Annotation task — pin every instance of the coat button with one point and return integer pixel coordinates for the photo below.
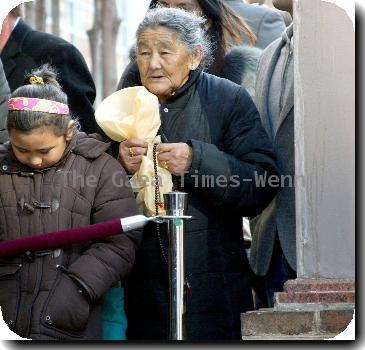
(48, 319)
(165, 110)
(5, 167)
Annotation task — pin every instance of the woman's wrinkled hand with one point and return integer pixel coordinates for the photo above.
(130, 154)
(176, 157)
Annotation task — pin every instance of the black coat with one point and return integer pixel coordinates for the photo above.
(216, 265)
(27, 49)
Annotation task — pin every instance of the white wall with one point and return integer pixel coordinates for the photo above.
(324, 41)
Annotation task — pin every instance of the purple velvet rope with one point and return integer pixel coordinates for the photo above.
(58, 239)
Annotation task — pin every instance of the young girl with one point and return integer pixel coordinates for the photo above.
(52, 178)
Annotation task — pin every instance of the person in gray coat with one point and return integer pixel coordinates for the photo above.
(286, 15)
(273, 248)
(4, 97)
(266, 23)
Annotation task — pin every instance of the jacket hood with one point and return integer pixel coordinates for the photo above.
(87, 146)
(240, 65)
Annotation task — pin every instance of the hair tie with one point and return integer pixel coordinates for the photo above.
(35, 79)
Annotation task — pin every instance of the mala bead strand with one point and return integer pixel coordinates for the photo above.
(158, 203)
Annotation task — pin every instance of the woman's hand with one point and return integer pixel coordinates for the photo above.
(176, 157)
(130, 154)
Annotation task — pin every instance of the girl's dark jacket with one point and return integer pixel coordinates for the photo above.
(231, 152)
(39, 292)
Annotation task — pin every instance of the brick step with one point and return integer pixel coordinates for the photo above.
(307, 285)
(282, 323)
(324, 297)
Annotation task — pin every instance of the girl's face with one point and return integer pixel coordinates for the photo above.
(41, 148)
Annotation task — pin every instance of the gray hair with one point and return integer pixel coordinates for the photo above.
(187, 25)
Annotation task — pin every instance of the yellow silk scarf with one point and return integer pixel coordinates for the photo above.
(134, 113)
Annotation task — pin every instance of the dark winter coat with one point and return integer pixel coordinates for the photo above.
(27, 49)
(228, 144)
(38, 298)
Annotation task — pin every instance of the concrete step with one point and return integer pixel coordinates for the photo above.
(308, 336)
(282, 323)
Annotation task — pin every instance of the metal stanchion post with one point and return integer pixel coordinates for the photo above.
(175, 204)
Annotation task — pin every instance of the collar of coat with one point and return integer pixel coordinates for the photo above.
(87, 146)
(193, 77)
(14, 45)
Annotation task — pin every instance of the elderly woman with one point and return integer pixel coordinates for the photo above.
(227, 30)
(216, 149)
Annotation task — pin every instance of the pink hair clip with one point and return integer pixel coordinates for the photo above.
(37, 105)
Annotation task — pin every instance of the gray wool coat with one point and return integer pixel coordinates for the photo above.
(4, 97)
(267, 24)
(280, 214)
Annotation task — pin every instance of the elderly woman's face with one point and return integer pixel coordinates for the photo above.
(163, 61)
(187, 5)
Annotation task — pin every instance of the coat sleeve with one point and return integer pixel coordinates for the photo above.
(239, 165)
(77, 83)
(111, 259)
(4, 97)
(270, 28)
